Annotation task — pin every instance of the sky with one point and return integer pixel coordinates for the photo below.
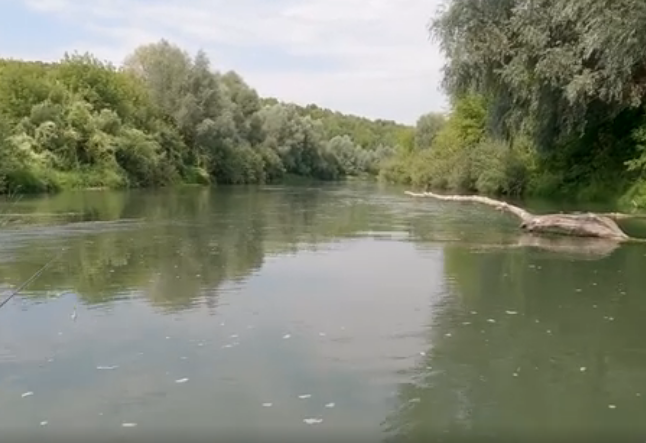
(366, 57)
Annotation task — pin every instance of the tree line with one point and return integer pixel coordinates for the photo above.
(166, 117)
(547, 99)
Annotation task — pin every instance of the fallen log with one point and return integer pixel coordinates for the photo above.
(580, 225)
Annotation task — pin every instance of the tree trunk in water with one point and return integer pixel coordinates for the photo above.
(579, 225)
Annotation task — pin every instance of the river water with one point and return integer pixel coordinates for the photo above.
(313, 312)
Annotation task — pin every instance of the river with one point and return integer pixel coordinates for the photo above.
(313, 312)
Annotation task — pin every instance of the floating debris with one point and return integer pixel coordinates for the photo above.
(321, 334)
(305, 396)
(267, 405)
(286, 336)
(107, 368)
(27, 394)
(44, 423)
(183, 358)
(312, 421)
(582, 368)
(415, 400)
(222, 324)
(422, 353)
(330, 405)
(167, 337)
(515, 374)
(200, 344)
(491, 320)
(50, 360)
(579, 290)
(227, 346)
(511, 312)
(466, 323)
(448, 334)
(612, 407)
(474, 312)
(181, 380)
(128, 425)
(233, 336)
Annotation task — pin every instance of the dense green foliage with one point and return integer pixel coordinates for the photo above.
(166, 117)
(548, 98)
(369, 134)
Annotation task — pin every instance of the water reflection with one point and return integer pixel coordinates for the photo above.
(264, 296)
(418, 321)
(172, 247)
(531, 345)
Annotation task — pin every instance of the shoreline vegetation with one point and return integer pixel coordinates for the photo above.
(547, 101)
(166, 118)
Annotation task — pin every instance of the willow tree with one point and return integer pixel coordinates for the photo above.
(427, 128)
(555, 68)
(570, 74)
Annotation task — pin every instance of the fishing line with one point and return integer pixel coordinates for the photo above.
(31, 279)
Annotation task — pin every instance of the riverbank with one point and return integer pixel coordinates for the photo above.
(465, 157)
(82, 123)
(55, 183)
(533, 113)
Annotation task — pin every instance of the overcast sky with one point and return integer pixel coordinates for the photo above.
(366, 57)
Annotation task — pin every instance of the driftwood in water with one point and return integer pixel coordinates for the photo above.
(580, 225)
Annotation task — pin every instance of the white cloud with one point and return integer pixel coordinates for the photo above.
(384, 64)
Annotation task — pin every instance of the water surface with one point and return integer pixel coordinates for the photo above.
(313, 312)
